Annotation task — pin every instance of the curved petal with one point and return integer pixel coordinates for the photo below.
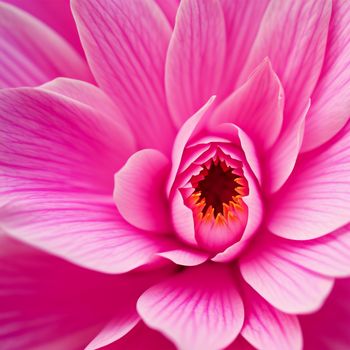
(56, 14)
(199, 308)
(139, 191)
(242, 19)
(32, 53)
(328, 329)
(126, 43)
(267, 328)
(58, 157)
(256, 107)
(330, 109)
(185, 256)
(293, 34)
(51, 141)
(141, 338)
(47, 303)
(195, 57)
(328, 255)
(285, 284)
(316, 199)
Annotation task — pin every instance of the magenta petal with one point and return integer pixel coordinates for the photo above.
(293, 34)
(139, 191)
(267, 328)
(199, 308)
(126, 44)
(184, 256)
(327, 255)
(256, 107)
(285, 284)
(32, 53)
(242, 19)
(56, 14)
(46, 303)
(330, 109)
(316, 199)
(195, 57)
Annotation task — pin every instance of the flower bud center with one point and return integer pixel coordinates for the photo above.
(218, 185)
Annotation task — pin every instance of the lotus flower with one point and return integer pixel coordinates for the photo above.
(187, 185)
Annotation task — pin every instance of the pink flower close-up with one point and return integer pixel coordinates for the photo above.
(175, 174)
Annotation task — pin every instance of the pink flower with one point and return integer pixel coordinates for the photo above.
(186, 186)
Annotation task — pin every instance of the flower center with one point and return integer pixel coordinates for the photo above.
(218, 187)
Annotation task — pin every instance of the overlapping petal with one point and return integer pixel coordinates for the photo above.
(267, 328)
(32, 53)
(284, 283)
(316, 199)
(195, 58)
(330, 109)
(126, 44)
(199, 308)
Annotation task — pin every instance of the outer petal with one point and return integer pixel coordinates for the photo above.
(56, 14)
(58, 157)
(328, 255)
(195, 57)
(199, 308)
(32, 53)
(328, 329)
(46, 303)
(126, 43)
(242, 19)
(316, 199)
(295, 41)
(267, 328)
(285, 284)
(139, 191)
(256, 107)
(330, 109)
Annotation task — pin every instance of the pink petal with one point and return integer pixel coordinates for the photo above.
(328, 329)
(58, 158)
(195, 57)
(267, 328)
(139, 191)
(89, 95)
(141, 338)
(285, 284)
(113, 331)
(293, 34)
(56, 14)
(242, 19)
(169, 8)
(316, 199)
(280, 160)
(55, 142)
(46, 303)
(199, 308)
(86, 230)
(256, 107)
(330, 109)
(126, 43)
(188, 130)
(32, 53)
(185, 256)
(327, 255)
